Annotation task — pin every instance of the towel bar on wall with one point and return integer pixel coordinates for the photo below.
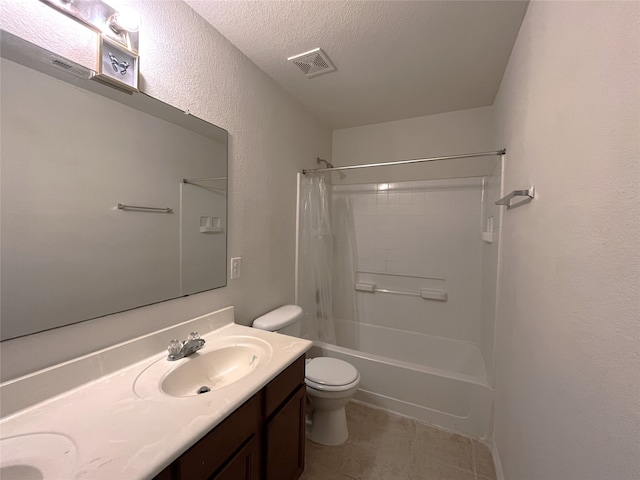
(530, 193)
(122, 206)
(426, 293)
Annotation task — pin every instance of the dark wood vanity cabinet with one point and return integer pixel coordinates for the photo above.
(284, 440)
(245, 465)
(263, 439)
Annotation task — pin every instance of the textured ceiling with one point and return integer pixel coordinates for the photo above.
(394, 59)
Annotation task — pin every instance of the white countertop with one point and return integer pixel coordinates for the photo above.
(103, 430)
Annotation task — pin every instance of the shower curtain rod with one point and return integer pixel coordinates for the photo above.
(403, 162)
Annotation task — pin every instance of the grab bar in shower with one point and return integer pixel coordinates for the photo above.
(426, 293)
(122, 206)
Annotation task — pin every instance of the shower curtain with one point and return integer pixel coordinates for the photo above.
(315, 263)
(345, 258)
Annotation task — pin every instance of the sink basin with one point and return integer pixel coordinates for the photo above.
(221, 362)
(210, 371)
(37, 456)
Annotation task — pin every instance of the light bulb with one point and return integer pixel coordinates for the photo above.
(126, 19)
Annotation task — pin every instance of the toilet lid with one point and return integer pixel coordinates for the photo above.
(330, 371)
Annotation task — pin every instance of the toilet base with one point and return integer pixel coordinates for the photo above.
(328, 427)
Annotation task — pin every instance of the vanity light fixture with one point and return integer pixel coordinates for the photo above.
(120, 26)
(117, 63)
(125, 20)
(117, 66)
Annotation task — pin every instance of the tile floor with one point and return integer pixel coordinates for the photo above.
(384, 446)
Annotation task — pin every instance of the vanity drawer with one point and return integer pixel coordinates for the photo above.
(203, 459)
(281, 387)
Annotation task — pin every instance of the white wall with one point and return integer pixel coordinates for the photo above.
(464, 131)
(187, 63)
(568, 332)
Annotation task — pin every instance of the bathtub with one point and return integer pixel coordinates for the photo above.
(436, 380)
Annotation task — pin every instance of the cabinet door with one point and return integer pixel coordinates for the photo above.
(285, 437)
(212, 451)
(245, 465)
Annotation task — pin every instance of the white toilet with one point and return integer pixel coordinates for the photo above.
(330, 382)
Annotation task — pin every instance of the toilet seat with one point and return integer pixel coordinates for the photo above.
(331, 388)
(330, 374)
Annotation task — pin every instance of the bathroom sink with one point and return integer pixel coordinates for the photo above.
(211, 371)
(221, 362)
(37, 456)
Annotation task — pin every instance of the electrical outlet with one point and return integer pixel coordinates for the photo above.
(236, 267)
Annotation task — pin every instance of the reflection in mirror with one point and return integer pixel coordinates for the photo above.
(72, 150)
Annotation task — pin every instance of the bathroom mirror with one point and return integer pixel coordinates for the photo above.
(73, 151)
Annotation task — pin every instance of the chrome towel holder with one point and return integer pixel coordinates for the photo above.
(529, 193)
(122, 206)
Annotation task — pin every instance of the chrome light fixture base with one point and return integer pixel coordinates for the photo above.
(101, 18)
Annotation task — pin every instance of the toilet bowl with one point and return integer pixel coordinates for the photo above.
(330, 382)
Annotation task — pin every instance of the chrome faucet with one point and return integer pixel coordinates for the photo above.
(178, 349)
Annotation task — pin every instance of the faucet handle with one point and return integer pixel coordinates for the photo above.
(174, 347)
(193, 336)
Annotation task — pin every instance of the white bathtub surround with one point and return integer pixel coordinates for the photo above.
(412, 236)
(454, 357)
(415, 235)
(408, 314)
(110, 431)
(419, 357)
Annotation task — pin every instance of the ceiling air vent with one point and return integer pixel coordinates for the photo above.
(313, 63)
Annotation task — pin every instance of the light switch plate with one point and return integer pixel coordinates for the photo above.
(236, 267)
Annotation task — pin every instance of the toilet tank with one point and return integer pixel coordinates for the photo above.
(285, 319)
